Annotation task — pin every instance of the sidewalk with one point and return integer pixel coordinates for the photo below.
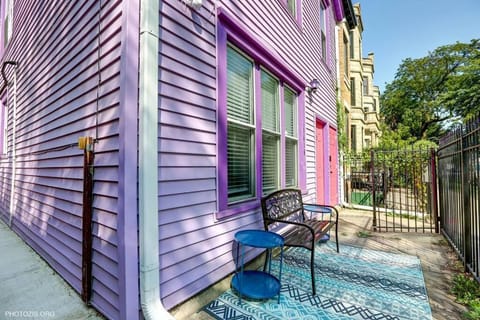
(30, 289)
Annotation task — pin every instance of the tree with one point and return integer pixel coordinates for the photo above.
(431, 92)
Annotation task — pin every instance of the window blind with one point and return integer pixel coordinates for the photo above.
(270, 118)
(241, 132)
(239, 87)
(240, 163)
(270, 133)
(290, 163)
(290, 138)
(270, 166)
(290, 112)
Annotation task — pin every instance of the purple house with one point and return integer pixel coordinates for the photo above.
(192, 109)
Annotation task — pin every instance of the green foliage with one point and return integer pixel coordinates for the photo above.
(342, 135)
(432, 92)
(462, 94)
(364, 234)
(404, 163)
(467, 292)
(465, 288)
(394, 139)
(474, 310)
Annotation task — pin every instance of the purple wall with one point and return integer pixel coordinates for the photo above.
(60, 97)
(195, 243)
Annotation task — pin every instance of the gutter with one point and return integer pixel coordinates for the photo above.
(151, 304)
(14, 130)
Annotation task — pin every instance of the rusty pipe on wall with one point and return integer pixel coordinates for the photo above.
(86, 144)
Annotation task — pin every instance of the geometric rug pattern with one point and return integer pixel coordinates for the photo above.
(356, 283)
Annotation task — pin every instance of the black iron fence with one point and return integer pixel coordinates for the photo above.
(399, 186)
(458, 177)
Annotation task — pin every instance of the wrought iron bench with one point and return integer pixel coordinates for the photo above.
(284, 213)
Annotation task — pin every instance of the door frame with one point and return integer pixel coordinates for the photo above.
(325, 127)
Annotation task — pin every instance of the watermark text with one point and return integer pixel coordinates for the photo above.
(29, 314)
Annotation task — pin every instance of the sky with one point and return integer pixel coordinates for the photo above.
(398, 29)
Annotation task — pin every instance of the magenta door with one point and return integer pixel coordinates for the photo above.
(333, 165)
(320, 161)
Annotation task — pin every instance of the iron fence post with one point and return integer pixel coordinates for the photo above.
(434, 186)
(466, 216)
(372, 174)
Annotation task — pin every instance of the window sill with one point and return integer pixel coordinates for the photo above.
(238, 208)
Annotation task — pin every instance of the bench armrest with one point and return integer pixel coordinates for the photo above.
(334, 213)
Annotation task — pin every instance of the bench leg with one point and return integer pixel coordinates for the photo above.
(312, 270)
(336, 236)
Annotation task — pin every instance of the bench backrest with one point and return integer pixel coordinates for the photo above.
(285, 204)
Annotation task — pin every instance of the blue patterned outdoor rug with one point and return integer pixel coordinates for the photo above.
(356, 283)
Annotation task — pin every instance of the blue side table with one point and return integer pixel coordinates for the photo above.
(256, 284)
(312, 208)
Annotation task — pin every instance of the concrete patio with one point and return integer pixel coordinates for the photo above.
(28, 284)
(438, 263)
(30, 289)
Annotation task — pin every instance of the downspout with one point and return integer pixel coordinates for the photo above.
(338, 90)
(14, 129)
(151, 304)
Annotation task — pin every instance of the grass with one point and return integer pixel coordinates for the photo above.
(365, 198)
(467, 292)
(364, 234)
(403, 216)
(442, 242)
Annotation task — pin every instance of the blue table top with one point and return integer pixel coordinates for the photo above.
(259, 238)
(317, 208)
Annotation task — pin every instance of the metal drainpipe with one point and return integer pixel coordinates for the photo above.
(340, 179)
(14, 129)
(151, 304)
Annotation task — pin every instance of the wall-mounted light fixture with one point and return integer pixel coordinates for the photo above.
(194, 4)
(314, 84)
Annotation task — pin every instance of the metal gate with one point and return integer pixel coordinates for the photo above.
(459, 191)
(399, 187)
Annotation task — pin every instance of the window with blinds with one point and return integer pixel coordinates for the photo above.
(241, 127)
(270, 133)
(277, 135)
(291, 140)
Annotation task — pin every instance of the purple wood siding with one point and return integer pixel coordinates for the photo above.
(187, 146)
(195, 247)
(56, 44)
